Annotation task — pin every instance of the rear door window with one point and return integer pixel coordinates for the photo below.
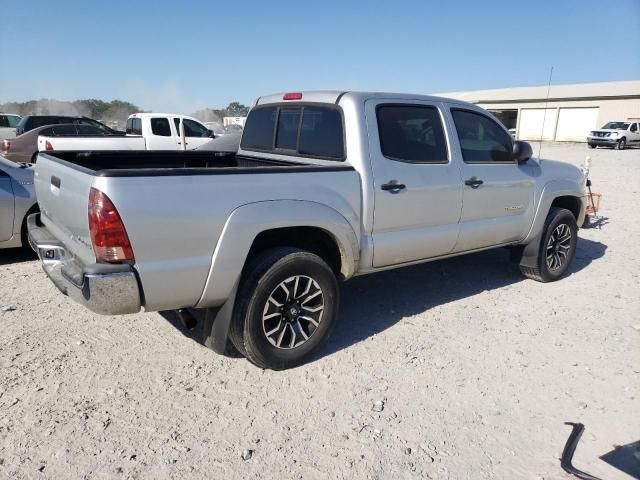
(482, 140)
(412, 133)
(4, 121)
(306, 130)
(161, 127)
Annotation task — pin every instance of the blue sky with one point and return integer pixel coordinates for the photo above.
(173, 55)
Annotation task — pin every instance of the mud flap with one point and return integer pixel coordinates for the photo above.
(217, 322)
(530, 253)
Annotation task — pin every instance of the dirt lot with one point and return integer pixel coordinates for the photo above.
(454, 369)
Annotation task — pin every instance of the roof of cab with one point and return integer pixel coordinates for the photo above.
(334, 96)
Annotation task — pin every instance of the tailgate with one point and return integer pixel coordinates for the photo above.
(62, 191)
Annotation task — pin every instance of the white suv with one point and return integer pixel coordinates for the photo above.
(615, 134)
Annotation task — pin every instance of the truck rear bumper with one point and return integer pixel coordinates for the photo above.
(102, 288)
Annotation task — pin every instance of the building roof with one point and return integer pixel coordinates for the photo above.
(591, 91)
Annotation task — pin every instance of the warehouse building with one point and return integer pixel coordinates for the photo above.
(566, 113)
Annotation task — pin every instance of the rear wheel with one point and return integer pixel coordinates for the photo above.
(557, 247)
(286, 307)
(621, 144)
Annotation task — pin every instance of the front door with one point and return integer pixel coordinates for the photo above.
(497, 203)
(418, 192)
(6, 206)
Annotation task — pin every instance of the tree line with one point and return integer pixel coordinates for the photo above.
(101, 110)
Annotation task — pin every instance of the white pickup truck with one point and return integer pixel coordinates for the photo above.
(615, 134)
(324, 186)
(145, 131)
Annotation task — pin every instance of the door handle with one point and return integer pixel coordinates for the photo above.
(473, 182)
(393, 186)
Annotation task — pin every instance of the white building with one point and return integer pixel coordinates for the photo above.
(567, 113)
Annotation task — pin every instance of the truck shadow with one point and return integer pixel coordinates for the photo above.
(370, 304)
(17, 255)
(373, 303)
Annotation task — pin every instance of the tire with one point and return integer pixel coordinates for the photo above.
(591, 145)
(621, 144)
(559, 221)
(34, 158)
(277, 285)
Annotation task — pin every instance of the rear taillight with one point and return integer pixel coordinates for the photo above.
(47, 146)
(108, 235)
(6, 146)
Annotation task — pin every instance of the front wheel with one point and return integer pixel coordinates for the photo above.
(621, 144)
(286, 307)
(557, 247)
(591, 145)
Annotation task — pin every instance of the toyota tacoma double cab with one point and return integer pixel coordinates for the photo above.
(325, 186)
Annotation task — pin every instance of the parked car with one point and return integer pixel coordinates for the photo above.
(145, 131)
(8, 124)
(34, 121)
(24, 148)
(615, 134)
(261, 237)
(17, 201)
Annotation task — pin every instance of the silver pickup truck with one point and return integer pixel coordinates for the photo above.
(324, 186)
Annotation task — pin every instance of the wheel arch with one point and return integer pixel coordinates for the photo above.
(255, 227)
(562, 193)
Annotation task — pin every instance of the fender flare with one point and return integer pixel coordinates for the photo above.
(246, 222)
(551, 191)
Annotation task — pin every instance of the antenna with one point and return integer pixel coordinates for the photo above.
(544, 113)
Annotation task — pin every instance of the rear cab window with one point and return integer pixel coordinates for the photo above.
(305, 130)
(134, 126)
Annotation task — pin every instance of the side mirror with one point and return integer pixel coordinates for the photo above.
(211, 134)
(522, 151)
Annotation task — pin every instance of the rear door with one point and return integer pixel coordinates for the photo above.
(418, 189)
(161, 136)
(498, 192)
(6, 206)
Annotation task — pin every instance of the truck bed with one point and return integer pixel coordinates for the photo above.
(129, 163)
(175, 206)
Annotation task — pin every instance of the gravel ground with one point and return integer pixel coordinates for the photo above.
(455, 369)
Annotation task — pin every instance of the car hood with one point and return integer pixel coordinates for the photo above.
(558, 170)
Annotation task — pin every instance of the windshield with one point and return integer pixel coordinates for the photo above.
(616, 126)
